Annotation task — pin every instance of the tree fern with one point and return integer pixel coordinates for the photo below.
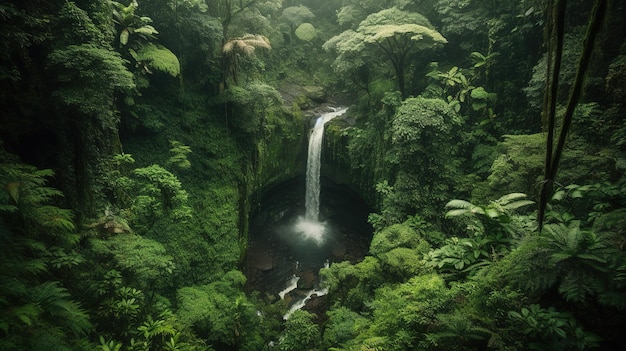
(157, 57)
(577, 262)
(246, 44)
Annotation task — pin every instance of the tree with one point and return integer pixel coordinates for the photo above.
(228, 10)
(342, 327)
(296, 15)
(353, 284)
(419, 130)
(404, 313)
(136, 35)
(219, 311)
(394, 34)
(243, 46)
(352, 12)
(301, 333)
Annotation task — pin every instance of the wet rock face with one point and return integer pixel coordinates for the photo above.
(261, 260)
(307, 280)
(315, 93)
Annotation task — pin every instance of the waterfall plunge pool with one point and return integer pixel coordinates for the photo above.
(286, 251)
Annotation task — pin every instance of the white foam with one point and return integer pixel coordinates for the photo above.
(298, 305)
(311, 230)
(292, 285)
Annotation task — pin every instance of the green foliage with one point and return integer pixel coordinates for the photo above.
(160, 190)
(22, 29)
(549, 329)
(569, 62)
(109, 345)
(400, 249)
(143, 260)
(403, 313)
(306, 32)
(301, 333)
(342, 327)
(354, 11)
(241, 47)
(519, 166)
(26, 194)
(179, 155)
(37, 238)
(457, 331)
(219, 311)
(615, 78)
(496, 217)
(132, 26)
(78, 28)
(419, 127)
(491, 229)
(393, 34)
(157, 57)
(254, 107)
(40, 316)
(135, 38)
(580, 257)
(420, 120)
(297, 15)
(88, 76)
(404, 262)
(578, 263)
(458, 90)
(353, 284)
(392, 237)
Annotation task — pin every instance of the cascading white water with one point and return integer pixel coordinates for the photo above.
(298, 305)
(292, 285)
(312, 200)
(310, 227)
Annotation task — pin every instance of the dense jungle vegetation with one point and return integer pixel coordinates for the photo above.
(489, 137)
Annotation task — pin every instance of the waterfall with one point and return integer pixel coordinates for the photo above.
(310, 227)
(312, 200)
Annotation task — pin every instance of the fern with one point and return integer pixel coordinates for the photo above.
(27, 314)
(246, 44)
(53, 218)
(56, 303)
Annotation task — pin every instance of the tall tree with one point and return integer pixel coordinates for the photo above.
(393, 34)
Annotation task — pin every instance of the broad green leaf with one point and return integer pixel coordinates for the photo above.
(124, 36)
